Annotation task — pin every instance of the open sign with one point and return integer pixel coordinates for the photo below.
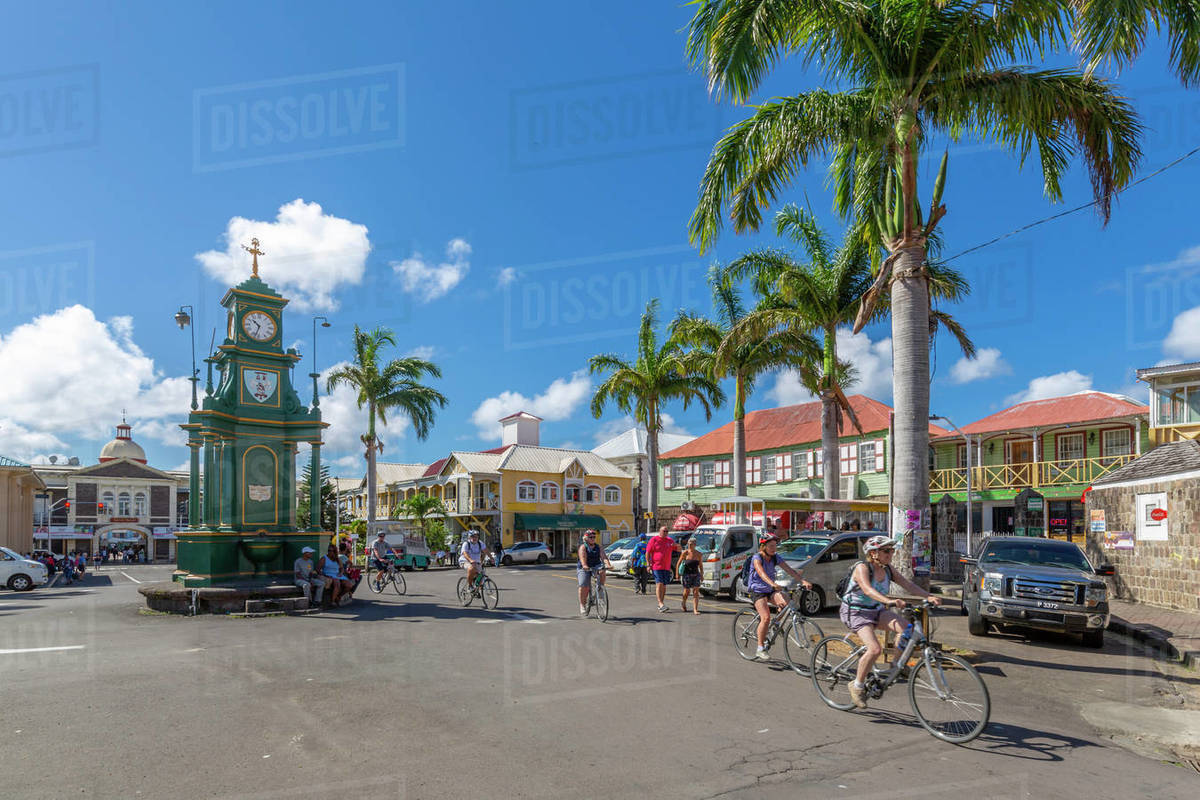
(1158, 514)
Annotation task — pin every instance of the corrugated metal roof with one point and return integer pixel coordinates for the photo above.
(773, 428)
(387, 472)
(478, 462)
(1168, 369)
(553, 460)
(1161, 462)
(633, 443)
(1055, 411)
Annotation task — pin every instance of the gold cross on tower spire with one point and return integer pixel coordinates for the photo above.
(255, 253)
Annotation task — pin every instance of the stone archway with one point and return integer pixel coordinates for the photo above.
(143, 539)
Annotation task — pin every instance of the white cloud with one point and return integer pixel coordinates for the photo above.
(1183, 340)
(309, 254)
(506, 276)
(1047, 386)
(615, 427)
(424, 352)
(560, 399)
(871, 360)
(72, 375)
(987, 363)
(429, 282)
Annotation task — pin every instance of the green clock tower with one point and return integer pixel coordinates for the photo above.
(243, 440)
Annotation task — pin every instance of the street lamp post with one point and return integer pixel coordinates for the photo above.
(184, 320)
(315, 373)
(970, 515)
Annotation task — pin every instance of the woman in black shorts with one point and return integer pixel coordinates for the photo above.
(688, 569)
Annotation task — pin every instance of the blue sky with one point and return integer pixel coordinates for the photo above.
(504, 185)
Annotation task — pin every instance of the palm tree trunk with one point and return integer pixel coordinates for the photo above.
(370, 469)
(829, 445)
(910, 349)
(652, 455)
(829, 418)
(739, 438)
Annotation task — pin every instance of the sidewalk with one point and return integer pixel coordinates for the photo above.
(1176, 634)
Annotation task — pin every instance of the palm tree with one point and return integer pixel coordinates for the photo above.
(905, 71)
(825, 294)
(719, 349)
(1116, 32)
(659, 375)
(394, 386)
(419, 508)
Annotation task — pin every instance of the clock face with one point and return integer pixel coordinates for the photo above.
(258, 326)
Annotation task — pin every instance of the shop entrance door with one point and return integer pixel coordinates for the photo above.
(1002, 520)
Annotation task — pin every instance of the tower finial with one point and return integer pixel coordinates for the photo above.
(254, 253)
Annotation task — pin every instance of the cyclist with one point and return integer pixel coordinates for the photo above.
(591, 558)
(470, 556)
(380, 552)
(764, 591)
(865, 606)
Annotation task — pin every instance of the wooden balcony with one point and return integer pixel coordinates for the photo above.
(1036, 474)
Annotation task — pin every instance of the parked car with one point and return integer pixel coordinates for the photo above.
(20, 573)
(725, 548)
(526, 553)
(1027, 582)
(619, 553)
(825, 559)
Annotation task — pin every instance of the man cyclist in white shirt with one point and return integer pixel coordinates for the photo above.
(470, 556)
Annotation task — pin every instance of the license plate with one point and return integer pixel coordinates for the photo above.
(1047, 604)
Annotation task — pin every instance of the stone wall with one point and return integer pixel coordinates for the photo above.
(1161, 573)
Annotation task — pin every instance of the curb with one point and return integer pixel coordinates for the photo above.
(1188, 658)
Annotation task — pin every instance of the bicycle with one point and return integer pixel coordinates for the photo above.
(797, 643)
(597, 597)
(378, 579)
(485, 589)
(967, 706)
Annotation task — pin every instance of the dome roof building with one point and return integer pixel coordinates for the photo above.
(123, 447)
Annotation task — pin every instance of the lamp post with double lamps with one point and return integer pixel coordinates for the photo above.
(183, 318)
(970, 516)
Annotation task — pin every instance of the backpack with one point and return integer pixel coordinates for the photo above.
(844, 584)
(748, 565)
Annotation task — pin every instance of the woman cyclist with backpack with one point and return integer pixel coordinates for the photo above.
(865, 605)
(764, 591)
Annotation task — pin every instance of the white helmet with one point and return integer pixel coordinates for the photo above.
(878, 543)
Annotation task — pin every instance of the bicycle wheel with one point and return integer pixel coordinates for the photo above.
(834, 661)
(601, 603)
(374, 582)
(950, 700)
(745, 633)
(489, 593)
(802, 634)
(398, 583)
(464, 592)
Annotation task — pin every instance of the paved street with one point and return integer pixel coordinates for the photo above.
(415, 697)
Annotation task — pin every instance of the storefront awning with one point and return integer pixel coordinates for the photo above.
(559, 522)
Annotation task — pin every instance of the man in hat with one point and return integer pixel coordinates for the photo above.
(302, 570)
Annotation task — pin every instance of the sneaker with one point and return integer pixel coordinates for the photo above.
(663, 609)
(859, 695)
(761, 654)
(583, 611)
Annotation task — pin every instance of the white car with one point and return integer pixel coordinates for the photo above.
(19, 573)
(619, 553)
(526, 553)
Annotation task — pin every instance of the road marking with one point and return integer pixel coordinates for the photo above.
(127, 575)
(41, 649)
(524, 618)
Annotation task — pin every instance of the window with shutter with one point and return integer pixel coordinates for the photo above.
(706, 473)
(667, 476)
(784, 466)
(722, 469)
(880, 457)
(848, 454)
(866, 456)
(768, 469)
(754, 469)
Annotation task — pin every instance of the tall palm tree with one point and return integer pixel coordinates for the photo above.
(383, 388)
(640, 388)
(720, 349)
(1108, 30)
(905, 71)
(824, 294)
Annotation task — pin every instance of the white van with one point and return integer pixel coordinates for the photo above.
(19, 573)
(725, 549)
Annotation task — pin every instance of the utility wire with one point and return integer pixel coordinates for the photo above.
(1060, 214)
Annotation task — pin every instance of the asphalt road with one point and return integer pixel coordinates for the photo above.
(416, 697)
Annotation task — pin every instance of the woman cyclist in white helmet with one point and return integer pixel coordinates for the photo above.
(865, 606)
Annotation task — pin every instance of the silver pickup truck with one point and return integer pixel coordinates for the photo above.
(1027, 582)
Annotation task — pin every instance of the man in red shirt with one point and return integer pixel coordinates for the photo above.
(660, 551)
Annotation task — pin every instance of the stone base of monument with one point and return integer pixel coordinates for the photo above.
(245, 599)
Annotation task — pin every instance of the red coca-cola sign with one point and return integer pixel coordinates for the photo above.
(1158, 514)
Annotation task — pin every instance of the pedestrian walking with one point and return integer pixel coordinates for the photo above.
(497, 551)
(637, 563)
(688, 569)
(660, 551)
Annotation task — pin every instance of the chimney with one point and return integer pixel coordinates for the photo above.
(521, 428)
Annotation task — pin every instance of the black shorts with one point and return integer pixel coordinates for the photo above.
(756, 596)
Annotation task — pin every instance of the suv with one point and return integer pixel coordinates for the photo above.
(1028, 582)
(19, 573)
(526, 553)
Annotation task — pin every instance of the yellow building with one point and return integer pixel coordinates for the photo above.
(522, 491)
